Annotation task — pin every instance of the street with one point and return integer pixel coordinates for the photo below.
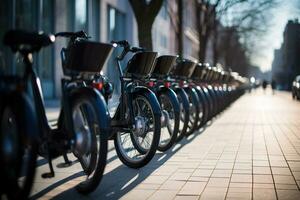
(249, 151)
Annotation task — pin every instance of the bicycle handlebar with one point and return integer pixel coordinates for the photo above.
(122, 43)
(126, 48)
(78, 34)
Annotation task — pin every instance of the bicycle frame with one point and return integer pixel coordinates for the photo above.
(45, 128)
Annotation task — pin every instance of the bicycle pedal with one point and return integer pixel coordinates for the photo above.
(48, 175)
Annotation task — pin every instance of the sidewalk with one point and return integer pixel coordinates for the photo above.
(250, 151)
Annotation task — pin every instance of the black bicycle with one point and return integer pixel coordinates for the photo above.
(136, 123)
(181, 73)
(160, 84)
(82, 126)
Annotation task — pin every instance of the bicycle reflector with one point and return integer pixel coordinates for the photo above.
(151, 83)
(98, 85)
(167, 84)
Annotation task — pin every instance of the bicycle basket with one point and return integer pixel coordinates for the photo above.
(184, 68)
(86, 56)
(164, 64)
(141, 64)
(198, 72)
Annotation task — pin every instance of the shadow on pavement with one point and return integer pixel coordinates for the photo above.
(120, 180)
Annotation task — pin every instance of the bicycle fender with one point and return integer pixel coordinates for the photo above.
(100, 101)
(144, 91)
(173, 97)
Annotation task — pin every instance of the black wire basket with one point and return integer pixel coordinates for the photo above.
(141, 64)
(164, 65)
(85, 56)
(184, 68)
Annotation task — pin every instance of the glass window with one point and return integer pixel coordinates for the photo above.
(5, 25)
(80, 15)
(116, 24)
(25, 18)
(26, 14)
(164, 10)
(115, 31)
(46, 58)
(94, 22)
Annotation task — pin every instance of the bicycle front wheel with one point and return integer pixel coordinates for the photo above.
(18, 146)
(90, 140)
(136, 147)
(170, 122)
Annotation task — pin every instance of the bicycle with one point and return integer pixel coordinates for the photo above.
(136, 124)
(82, 126)
(182, 72)
(160, 84)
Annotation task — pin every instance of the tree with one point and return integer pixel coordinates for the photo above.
(179, 33)
(205, 15)
(145, 13)
(243, 15)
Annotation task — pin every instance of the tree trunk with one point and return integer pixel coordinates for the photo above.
(198, 10)
(203, 45)
(145, 36)
(215, 46)
(180, 28)
(145, 13)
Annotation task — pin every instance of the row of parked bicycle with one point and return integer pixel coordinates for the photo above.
(163, 99)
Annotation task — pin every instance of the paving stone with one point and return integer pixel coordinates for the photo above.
(203, 172)
(138, 194)
(192, 188)
(172, 185)
(263, 185)
(214, 193)
(286, 186)
(261, 170)
(263, 193)
(163, 194)
(281, 171)
(258, 178)
(256, 140)
(186, 197)
(279, 179)
(239, 195)
(241, 178)
(288, 194)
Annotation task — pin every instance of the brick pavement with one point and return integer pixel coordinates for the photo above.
(250, 151)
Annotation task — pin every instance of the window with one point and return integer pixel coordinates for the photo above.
(163, 41)
(80, 15)
(25, 18)
(46, 55)
(5, 24)
(164, 10)
(116, 24)
(26, 14)
(115, 31)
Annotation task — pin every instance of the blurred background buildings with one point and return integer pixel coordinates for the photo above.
(286, 63)
(106, 20)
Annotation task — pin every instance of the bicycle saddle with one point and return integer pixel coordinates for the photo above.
(31, 41)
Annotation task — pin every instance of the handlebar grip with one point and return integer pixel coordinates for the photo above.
(78, 34)
(123, 43)
(136, 49)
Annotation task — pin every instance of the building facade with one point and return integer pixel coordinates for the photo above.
(103, 20)
(286, 62)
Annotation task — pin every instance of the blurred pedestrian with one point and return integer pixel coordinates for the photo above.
(264, 85)
(273, 85)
